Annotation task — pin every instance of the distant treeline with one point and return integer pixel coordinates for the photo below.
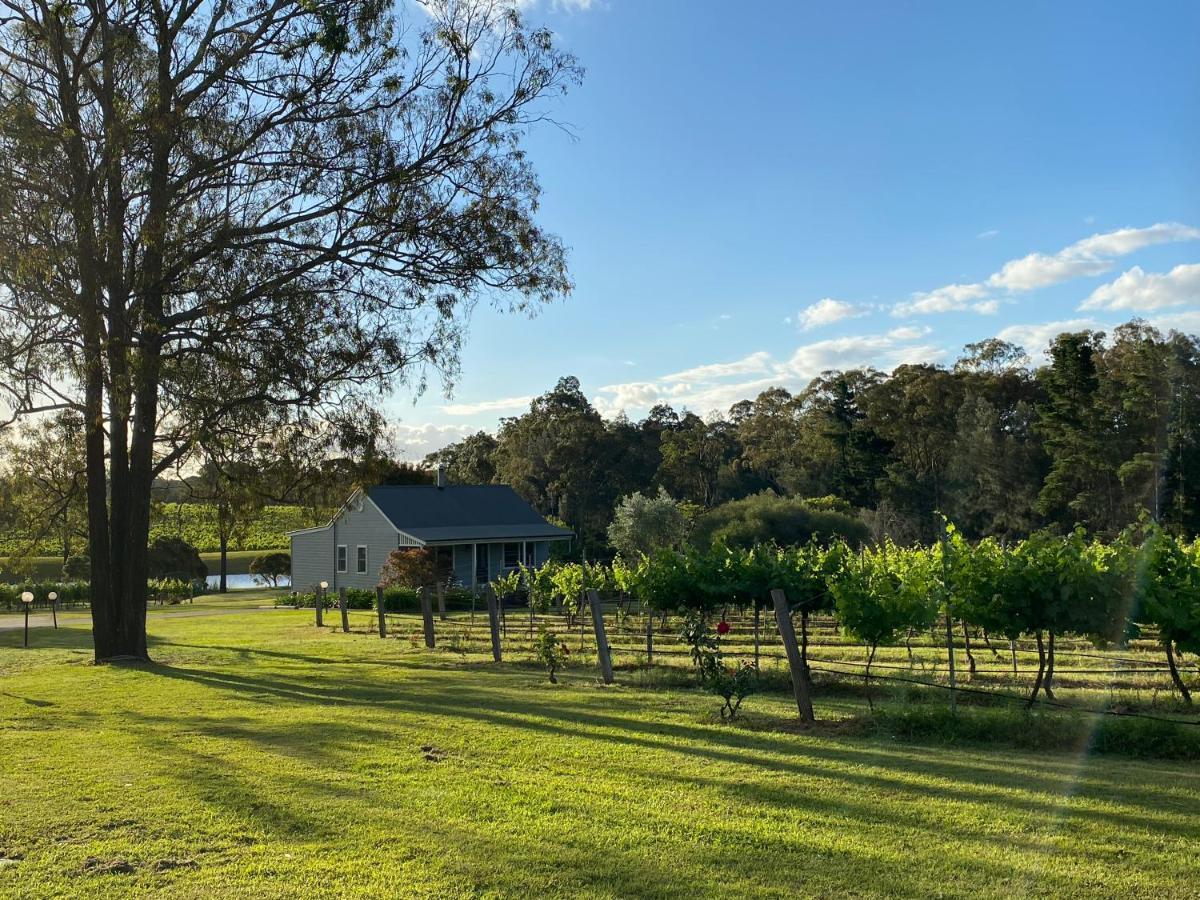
(1109, 427)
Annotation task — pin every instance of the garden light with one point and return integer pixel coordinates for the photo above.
(27, 601)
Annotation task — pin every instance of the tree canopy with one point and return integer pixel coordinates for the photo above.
(222, 214)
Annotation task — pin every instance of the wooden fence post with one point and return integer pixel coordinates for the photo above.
(342, 609)
(787, 633)
(649, 638)
(427, 617)
(493, 621)
(602, 650)
(381, 611)
(319, 604)
(441, 597)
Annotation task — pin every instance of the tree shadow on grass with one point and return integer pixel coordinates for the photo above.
(939, 776)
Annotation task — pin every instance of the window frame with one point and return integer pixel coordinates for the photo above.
(504, 564)
(341, 559)
(362, 559)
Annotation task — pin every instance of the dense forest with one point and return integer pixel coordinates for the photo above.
(1107, 428)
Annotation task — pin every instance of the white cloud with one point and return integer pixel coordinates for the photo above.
(747, 365)
(1143, 291)
(908, 333)
(1091, 256)
(1036, 338)
(568, 5)
(944, 299)
(987, 307)
(828, 311)
(417, 441)
(480, 406)
(990, 233)
(717, 386)
(1187, 321)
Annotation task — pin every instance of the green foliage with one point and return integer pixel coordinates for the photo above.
(77, 568)
(410, 567)
(196, 523)
(767, 518)
(550, 651)
(882, 592)
(265, 529)
(507, 583)
(1167, 589)
(168, 590)
(642, 525)
(171, 557)
(70, 593)
(271, 566)
(732, 683)
(539, 582)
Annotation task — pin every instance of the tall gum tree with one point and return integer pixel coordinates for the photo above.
(215, 209)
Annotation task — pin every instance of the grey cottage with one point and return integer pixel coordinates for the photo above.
(478, 531)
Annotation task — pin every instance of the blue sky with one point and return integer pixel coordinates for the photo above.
(757, 192)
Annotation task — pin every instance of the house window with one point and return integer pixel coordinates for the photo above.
(443, 560)
(512, 555)
(362, 560)
(341, 557)
(529, 553)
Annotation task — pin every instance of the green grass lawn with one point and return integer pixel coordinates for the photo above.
(260, 757)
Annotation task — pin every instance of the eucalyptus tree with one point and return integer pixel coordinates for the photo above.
(208, 206)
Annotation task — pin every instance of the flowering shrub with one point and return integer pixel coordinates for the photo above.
(733, 684)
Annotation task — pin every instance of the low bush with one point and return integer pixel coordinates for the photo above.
(1039, 729)
(270, 567)
(765, 518)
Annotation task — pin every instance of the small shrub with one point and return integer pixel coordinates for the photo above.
(170, 557)
(270, 567)
(733, 684)
(551, 652)
(77, 568)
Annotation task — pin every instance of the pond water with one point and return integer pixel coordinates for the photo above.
(242, 581)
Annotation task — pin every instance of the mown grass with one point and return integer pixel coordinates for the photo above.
(260, 757)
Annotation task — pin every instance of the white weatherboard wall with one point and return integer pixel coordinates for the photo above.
(314, 553)
(312, 558)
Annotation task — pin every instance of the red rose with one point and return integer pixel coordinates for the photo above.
(722, 627)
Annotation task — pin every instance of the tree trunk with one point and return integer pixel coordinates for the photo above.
(987, 639)
(1175, 677)
(223, 538)
(1048, 683)
(967, 647)
(867, 678)
(950, 657)
(1037, 684)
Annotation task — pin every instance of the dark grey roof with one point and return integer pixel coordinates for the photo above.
(462, 512)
